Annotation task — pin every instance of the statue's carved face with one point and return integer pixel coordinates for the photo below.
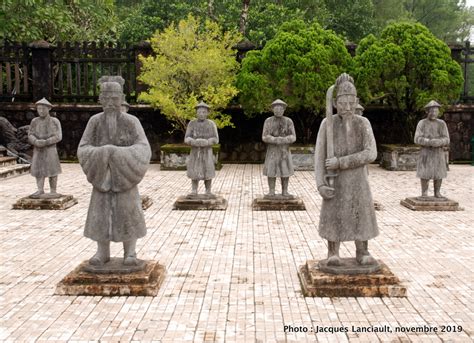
(202, 113)
(346, 104)
(278, 110)
(110, 100)
(43, 110)
(433, 113)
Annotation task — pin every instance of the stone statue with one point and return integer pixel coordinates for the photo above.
(278, 133)
(359, 110)
(432, 134)
(345, 145)
(124, 107)
(44, 133)
(201, 134)
(114, 153)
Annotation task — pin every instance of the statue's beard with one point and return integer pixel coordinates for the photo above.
(111, 122)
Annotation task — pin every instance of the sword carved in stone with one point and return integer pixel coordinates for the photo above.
(330, 174)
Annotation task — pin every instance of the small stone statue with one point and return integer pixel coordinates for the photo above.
(345, 145)
(124, 107)
(359, 110)
(44, 133)
(201, 134)
(114, 153)
(432, 134)
(278, 133)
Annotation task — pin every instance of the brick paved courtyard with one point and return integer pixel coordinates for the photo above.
(232, 275)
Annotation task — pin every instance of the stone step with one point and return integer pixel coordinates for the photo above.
(7, 161)
(14, 170)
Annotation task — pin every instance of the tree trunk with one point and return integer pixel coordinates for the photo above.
(244, 16)
(210, 10)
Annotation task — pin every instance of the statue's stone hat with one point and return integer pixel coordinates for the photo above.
(432, 103)
(279, 102)
(111, 84)
(345, 85)
(44, 102)
(202, 104)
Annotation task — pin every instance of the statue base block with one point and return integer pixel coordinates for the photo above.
(114, 282)
(61, 202)
(146, 202)
(278, 203)
(200, 202)
(316, 283)
(431, 204)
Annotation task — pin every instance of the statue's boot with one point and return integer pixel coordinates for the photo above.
(284, 186)
(129, 254)
(53, 183)
(194, 187)
(333, 254)
(437, 188)
(271, 186)
(208, 185)
(102, 255)
(424, 187)
(40, 185)
(362, 253)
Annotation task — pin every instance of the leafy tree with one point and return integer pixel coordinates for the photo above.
(297, 65)
(56, 20)
(351, 19)
(406, 68)
(193, 61)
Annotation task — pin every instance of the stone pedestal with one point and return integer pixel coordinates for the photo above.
(113, 279)
(278, 203)
(61, 202)
(200, 202)
(431, 204)
(146, 202)
(316, 283)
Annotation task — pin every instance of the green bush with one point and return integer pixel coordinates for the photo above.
(404, 69)
(297, 65)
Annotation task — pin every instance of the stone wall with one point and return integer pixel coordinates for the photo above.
(460, 122)
(240, 144)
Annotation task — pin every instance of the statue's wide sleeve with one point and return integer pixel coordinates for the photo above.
(188, 139)
(266, 131)
(320, 155)
(94, 160)
(367, 155)
(419, 139)
(444, 134)
(56, 134)
(128, 164)
(32, 133)
(215, 138)
(291, 138)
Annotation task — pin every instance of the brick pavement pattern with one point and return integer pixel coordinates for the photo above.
(232, 275)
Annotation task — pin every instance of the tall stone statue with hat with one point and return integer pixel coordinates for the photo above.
(432, 134)
(345, 145)
(278, 133)
(114, 153)
(201, 134)
(45, 132)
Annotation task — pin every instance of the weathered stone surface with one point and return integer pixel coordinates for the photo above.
(316, 283)
(146, 202)
(200, 202)
(278, 203)
(63, 202)
(145, 282)
(303, 157)
(378, 205)
(430, 204)
(114, 266)
(348, 266)
(399, 157)
(175, 156)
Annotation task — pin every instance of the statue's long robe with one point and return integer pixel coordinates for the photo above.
(432, 162)
(45, 162)
(278, 161)
(200, 165)
(114, 165)
(350, 215)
